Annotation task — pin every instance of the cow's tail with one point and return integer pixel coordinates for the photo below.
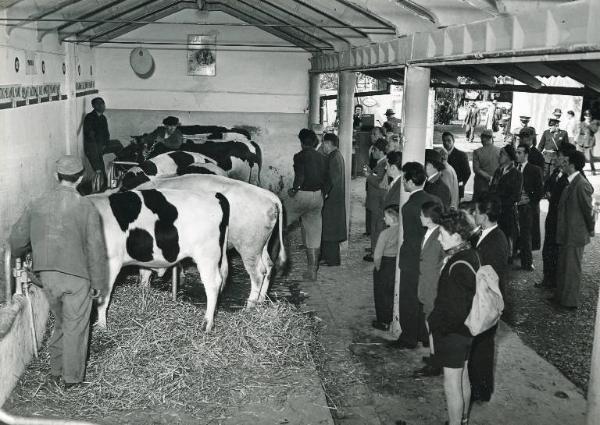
(258, 160)
(223, 237)
(281, 257)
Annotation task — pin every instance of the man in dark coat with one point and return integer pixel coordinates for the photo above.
(527, 137)
(434, 184)
(528, 204)
(411, 311)
(334, 205)
(553, 189)
(97, 142)
(574, 227)
(459, 161)
(492, 248)
(506, 185)
(165, 138)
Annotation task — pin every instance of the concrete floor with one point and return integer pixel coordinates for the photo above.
(369, 383)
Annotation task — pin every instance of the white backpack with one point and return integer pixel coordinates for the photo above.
(487, 304)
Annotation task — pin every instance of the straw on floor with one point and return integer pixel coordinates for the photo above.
(156, 356)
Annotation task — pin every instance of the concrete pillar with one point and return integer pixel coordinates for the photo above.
(346, 110)
(314, 94)
(70, 78)
(415, 103)
(414, 110)
(593, 396)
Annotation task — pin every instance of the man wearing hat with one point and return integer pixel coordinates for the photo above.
(165, 138)
(524, 124)
(551, 141)
(527, 137)
(485, 163)
(471, 121)
(64, 232)
(97, 141)
(394, 122)
(586, 140)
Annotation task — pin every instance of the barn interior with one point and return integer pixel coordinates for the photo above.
(58, 55)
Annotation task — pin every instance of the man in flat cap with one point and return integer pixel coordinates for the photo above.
(551, 141)
(64, 232)
(97, 142)
(165, 138)
(395, 123)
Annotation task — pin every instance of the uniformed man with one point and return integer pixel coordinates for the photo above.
(64, 232)
(551, 141)
(524, 124)
(97, 142)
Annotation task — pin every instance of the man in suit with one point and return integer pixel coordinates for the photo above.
(551, 141)
(527, 137)
(471, 121)
(449, 177)
(376, 190)
(528, 204)
(553, 188)
(575, 226)
(411, 314)
(485, 163)
(458, 160)
(506, 185)
(492, 248)
(394, 172)
(334, 204)
(434, 184)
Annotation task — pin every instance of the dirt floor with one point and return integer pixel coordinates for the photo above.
(369, 383)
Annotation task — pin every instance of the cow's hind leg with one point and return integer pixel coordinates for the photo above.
(252, 264)
(210, 273)
(145, 275)
(266, 269)
(114, 266)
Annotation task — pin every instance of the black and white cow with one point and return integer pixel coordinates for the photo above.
(170, 164)
(254, 216)
(158, 228)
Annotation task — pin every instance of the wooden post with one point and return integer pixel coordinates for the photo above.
(414, 130)
(345, 111)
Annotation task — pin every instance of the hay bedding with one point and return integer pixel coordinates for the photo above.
(156, 359)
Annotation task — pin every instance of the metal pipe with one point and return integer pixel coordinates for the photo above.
(174, 283)
(224, 24)
(165, 43)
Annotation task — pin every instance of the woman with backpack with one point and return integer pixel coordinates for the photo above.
(451, 338)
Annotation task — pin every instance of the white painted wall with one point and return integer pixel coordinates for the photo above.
(266, 89)
(32, 137)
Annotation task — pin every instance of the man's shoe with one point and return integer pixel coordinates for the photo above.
(380, 325)
(401, 345)
(427, 371)
(368, 258)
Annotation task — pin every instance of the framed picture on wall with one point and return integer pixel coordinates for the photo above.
(202, 55)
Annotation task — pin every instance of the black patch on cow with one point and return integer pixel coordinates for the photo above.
(182, 160)
(126, 207)
(167, 238)
(149, 168)
(201, 129)
(140, 245)
(222, 152)
(196, 169)
(224, 222)
(132, 180)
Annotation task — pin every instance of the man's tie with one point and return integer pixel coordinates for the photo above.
(521, 168)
